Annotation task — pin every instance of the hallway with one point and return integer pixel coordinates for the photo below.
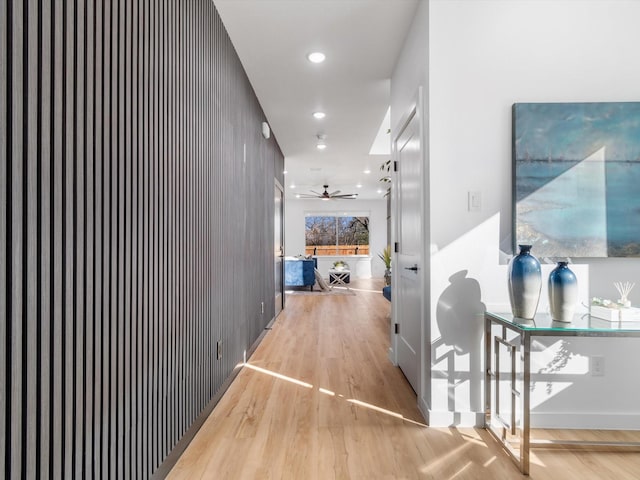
(320, 400)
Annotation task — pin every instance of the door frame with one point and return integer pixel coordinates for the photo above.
(278, 186)
(424, 368)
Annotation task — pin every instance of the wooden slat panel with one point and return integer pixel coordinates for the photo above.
(95, 113)
(4, 202)
(45, 204)
(137, 62)
(107, 251)
(121, 180)
(126, 127)
(16, 247)
(56, 341)
(145, 254)
(113, 243)
(79, 237)
(127, 280)
(88, 383)
(68, 238)
(99, 379)
(152, 242)
(31, 331)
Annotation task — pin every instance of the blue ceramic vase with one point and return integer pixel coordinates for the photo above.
(563, 293)
(525, 280)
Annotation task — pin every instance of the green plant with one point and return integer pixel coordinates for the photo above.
(386, 168)
(339, 264)
(385, 256)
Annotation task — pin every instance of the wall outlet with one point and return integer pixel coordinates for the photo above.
(597, 366)
(219, 350)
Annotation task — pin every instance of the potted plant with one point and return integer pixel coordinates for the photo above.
(385, 256)
(340, 265)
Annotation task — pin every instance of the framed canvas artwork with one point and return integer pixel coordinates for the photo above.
(576, 178)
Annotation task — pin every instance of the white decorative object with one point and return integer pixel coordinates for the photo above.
(614, 313)
(606, 313)
(623, 290)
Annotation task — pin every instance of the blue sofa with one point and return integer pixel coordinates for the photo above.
(300, 273)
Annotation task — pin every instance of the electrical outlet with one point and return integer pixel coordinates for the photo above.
(219, 350)
(597, 366)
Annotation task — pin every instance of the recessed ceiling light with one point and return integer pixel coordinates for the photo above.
(367, 171)
(284, 172)
(297, 195)
(316, 57)
(359, 185)
(321, 146)
(292, 186)
(379, 191)
(319, 115)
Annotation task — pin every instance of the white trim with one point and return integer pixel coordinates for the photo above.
(447, 418)
(557, 420)
(392, 354)
(424, 410)
(586, 421)
(424, 383)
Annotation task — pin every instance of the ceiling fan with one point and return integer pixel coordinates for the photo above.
(329, 196)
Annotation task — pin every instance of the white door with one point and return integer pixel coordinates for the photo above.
(409, 258)
(278, 242)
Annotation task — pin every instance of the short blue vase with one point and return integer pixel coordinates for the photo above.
(563, 293)
(525, 281)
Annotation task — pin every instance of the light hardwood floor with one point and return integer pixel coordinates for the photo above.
(319, 399)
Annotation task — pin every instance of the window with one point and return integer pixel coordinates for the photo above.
(336, 234)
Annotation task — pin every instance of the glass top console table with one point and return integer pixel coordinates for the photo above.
(514, 335)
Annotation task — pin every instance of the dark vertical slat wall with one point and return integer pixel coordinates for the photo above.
(136, 230)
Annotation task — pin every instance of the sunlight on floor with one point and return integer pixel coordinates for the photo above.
(455, 453)
(359, 290)
(353, 401)
(467, 465)
(489, 462)
(279, 376)
(382, 410)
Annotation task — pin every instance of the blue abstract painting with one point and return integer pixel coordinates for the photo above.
(577, 178)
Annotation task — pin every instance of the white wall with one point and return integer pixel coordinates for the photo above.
(362, 266)
(483, 56)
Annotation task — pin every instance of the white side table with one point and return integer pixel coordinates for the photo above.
(339, 277)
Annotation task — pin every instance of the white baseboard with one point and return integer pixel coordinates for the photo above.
(591, 421)
(392, 357)
(584, 421)
(439, 418)
(424, 409)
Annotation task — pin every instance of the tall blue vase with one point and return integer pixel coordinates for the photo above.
(563, 293)
(525, 281)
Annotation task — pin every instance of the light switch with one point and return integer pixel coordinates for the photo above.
(475, 201)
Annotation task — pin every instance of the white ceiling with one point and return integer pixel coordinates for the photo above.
(361, 39)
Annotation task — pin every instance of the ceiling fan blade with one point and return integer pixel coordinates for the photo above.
(306, 195)
(334, 193)
(346, 195)
(319, 194)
